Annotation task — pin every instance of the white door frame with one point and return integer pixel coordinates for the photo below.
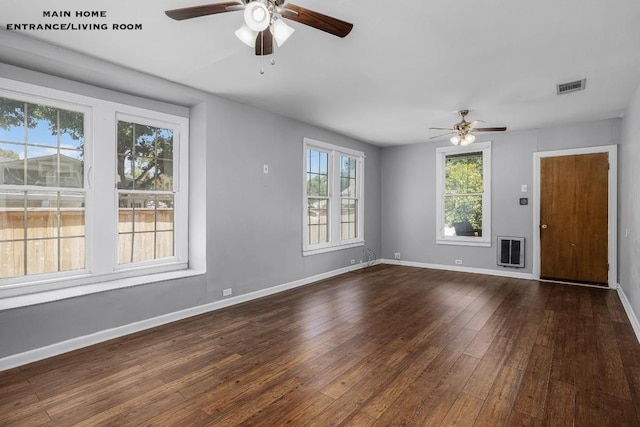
(612, 150)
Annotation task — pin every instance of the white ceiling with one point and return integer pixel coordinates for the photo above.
(405, 67)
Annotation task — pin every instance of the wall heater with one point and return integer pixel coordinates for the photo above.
(511, 251)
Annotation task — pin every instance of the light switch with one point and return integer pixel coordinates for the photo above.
(265, 168)
(523, 188)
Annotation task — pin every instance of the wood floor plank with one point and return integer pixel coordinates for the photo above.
(464, 411)
(386, 345)
(560, 410)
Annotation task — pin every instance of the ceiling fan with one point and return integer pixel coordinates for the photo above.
(263, 21)
(462, 130)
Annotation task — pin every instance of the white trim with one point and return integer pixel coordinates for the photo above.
(489, 272)
(108, 334)
(633, 319)
(86, 285)
(612, 151)
(441, 153)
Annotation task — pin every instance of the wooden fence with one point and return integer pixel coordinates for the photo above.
(51, 247)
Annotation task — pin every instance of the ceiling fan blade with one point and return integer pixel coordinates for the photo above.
(444, 134)
(443, 129)
(202, 10)
(496, 129)
(264, 42)
(317, 20)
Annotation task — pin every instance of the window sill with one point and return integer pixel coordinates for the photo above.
(461, 242)
(308, 252)
(28, 299)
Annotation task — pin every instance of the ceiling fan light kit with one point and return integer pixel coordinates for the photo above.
(462, 131)
(256, 16)
(263, 21)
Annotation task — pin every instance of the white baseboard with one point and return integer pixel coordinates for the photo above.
(108, 334)
(633, 319)
(501, 273)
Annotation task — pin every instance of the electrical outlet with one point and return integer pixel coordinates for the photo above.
(397, 256)
(353, 261)
(458, 262)
(226, 292)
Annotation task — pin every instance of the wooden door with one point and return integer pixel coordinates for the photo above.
(574, 225)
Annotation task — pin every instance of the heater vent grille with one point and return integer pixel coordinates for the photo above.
(569, 87)
(511, 251)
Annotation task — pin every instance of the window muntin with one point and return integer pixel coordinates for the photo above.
(463, 203)
(145, 192)
(333, 193)
(42, 194)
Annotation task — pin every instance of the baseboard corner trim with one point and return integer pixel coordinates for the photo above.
(633, 319)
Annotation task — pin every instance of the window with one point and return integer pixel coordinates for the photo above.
(464, 195)
(42, 191)
(145, 192)
(90, 190)
(333, 197)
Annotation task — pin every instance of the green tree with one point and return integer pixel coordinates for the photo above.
(463, 189)
(8, 154)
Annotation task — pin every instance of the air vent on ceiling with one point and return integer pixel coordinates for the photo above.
(571, 86)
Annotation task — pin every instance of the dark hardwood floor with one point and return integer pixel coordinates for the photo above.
(389, 345)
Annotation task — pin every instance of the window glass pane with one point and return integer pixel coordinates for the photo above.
(317, 213)
(463, 216)
(164, 244)
(42, 215)
(35, 221)
(164, 212)
(348, 219)
(145, 157)
(47, 129)
(43, 125)
(72, 215)
(125, 248)
(12, 117)
(71, 129)
(42, 166)
(125, 155)
(42, 256)
(11, 164)
(144, 173)
(463, 173)
(317, 177)
(12, 255)
(143, 247)
(164, 171)
(11, 216)
(71, 169)
(146, 227)
(72, 253)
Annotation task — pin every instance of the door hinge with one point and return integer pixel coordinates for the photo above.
(607, 266)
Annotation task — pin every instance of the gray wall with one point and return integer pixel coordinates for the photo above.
(246, 226)
(629, 201)
(409, 193)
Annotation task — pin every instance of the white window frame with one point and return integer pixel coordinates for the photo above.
(441, 154)
(333, 170)
(101, 202)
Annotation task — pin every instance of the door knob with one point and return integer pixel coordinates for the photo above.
(544, 226)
